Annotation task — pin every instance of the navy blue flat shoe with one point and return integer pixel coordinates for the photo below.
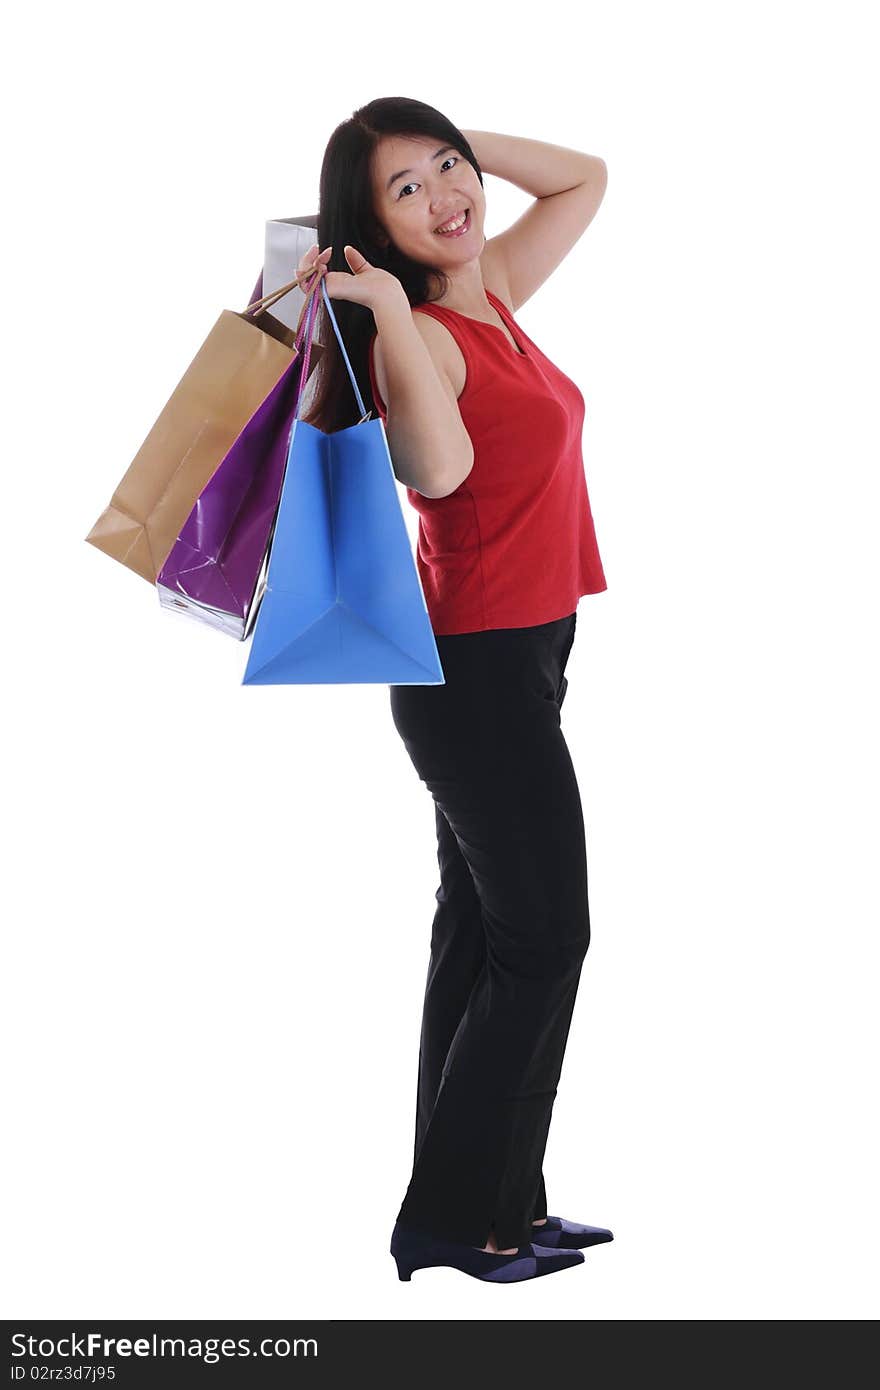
(414, 1250)
(559, 1234)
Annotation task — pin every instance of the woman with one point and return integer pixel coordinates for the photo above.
(484, 431)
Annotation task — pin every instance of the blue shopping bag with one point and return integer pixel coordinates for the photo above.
(343, 602)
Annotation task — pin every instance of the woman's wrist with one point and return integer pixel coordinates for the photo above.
(392, 309)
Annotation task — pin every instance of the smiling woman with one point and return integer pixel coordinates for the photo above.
(423, 194)
(395, 163)
(485, 431)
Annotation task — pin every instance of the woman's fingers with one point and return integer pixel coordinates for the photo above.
(313, 261)
(355, 259)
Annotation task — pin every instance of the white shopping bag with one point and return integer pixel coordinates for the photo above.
(287, 241)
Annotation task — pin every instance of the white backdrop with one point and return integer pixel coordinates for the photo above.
(218, 899)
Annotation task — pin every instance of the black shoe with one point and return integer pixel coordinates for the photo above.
(417, 1250)
(559, 1234)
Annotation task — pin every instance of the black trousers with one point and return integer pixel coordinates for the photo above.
(510, 932)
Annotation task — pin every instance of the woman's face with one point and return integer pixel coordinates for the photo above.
(419, 186)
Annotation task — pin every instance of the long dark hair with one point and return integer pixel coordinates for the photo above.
(346, 216)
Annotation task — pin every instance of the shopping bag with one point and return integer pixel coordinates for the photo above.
(343, 602)
(234, 370)
(215, 571)
(287, 239)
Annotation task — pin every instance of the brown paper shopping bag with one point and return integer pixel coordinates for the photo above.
(233, 372)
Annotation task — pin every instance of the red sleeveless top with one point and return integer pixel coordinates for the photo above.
(514, 544)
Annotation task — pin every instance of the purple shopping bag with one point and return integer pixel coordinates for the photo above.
(215, 571)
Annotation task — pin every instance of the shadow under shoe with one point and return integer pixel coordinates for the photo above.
(414, 1250)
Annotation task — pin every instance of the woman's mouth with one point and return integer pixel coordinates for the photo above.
(457, 230)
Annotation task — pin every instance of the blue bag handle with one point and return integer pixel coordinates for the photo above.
(310, 325)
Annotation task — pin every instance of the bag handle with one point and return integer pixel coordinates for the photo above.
(254, 307)
(309, 314)
(259, 305)
(258, 298)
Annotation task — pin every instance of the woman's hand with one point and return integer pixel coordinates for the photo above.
(367, 284)
(310, 261)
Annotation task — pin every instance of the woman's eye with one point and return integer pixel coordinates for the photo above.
(450, 158)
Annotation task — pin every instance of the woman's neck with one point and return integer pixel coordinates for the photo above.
(466, 293)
